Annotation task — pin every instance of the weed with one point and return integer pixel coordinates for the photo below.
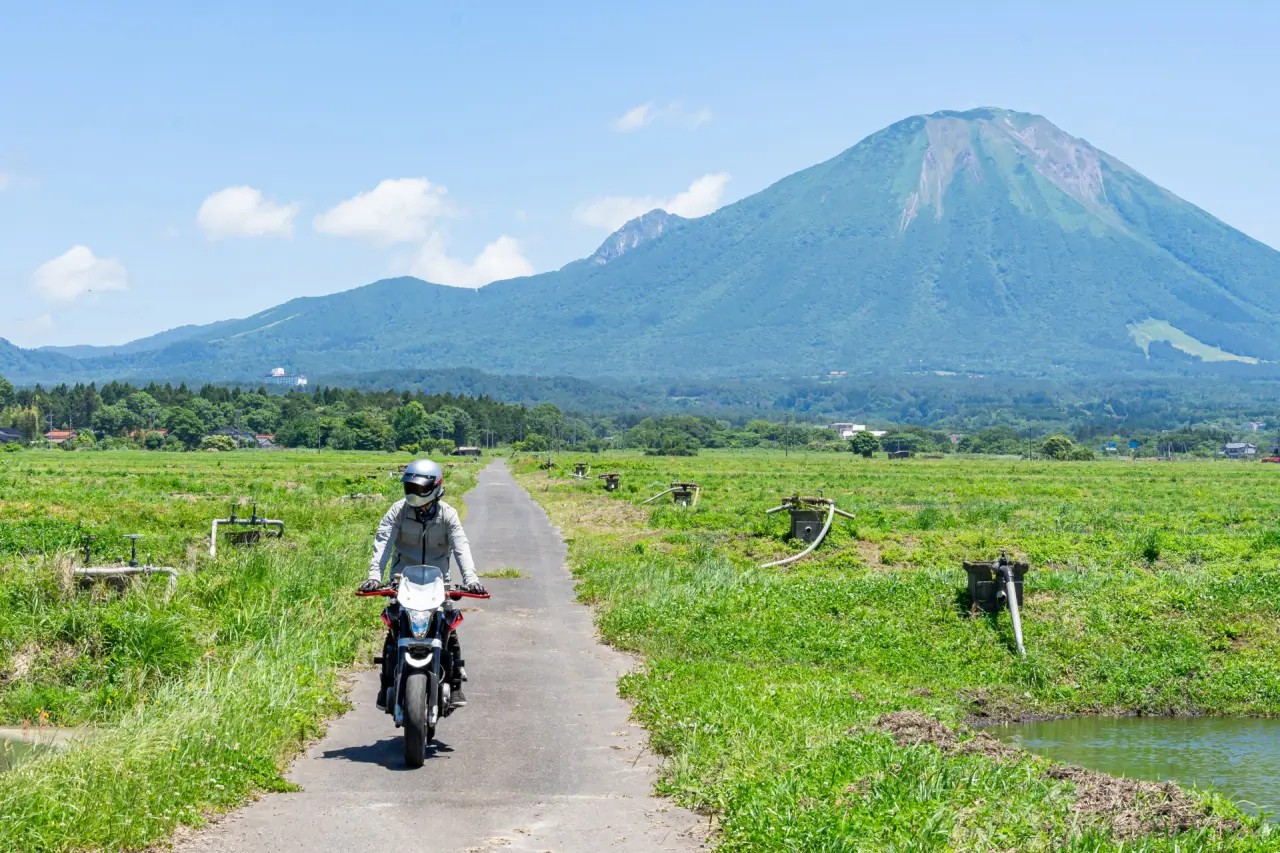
(504, 573)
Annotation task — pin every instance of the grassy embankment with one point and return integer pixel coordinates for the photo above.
(196, 702)
(787, 700)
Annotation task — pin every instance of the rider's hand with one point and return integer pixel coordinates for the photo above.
(370, 585)
(476, 588)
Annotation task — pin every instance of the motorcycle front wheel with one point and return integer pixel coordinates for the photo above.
(417, 712)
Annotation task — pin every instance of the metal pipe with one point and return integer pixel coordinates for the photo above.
(125, 571)
(659, 494)
(831, 514)
(261, 522)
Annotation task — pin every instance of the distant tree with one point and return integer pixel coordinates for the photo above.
(534, 442)
(116, 419)
(153, 440)
(864, 443)
(1057, 447)
(297, 433)
(6, 393)
(369, 431)
(1080, 453)
(185, 426)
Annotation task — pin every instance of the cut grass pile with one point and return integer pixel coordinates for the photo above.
(197, 701)
(1154, 589)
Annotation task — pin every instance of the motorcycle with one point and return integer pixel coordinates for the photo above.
(421, 626)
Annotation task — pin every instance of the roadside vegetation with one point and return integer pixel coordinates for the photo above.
(827, 705)
(187, 704)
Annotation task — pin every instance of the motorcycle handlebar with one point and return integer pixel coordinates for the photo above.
(387, 591)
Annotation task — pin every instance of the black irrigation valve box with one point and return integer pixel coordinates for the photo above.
(984, 589)
(806, 524)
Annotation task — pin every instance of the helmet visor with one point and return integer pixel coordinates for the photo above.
(420, 491)
(421, 486)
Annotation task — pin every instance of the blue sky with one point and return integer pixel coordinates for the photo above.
(163, 164)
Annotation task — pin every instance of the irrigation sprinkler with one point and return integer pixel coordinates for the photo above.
(682, 494)
(806, 514)
(994, 584)
(361, 496)
(581, 470)
(117, 574)
(611, 481)
(246, 531)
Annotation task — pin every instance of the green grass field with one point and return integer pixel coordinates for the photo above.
(783, 698)
(195, 701)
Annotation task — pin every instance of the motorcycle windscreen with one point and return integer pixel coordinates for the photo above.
(421, 588)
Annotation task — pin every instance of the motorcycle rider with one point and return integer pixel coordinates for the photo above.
(425, 531)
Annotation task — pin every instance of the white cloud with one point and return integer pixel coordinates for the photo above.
(635, 118)
(78, 271)
(645, 114)
(499, 260)
(610, 212)
(395, 211)
(244, 212)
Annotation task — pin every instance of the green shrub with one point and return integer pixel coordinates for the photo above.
(218, 442)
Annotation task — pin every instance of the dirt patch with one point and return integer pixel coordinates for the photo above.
(912, 728)
(1128, 807)
(1134, 808)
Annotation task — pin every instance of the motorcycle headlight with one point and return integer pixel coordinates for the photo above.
(419, 622)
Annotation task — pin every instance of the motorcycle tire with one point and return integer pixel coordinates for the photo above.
(417, 714)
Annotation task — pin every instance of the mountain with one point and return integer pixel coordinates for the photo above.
(986, 241)
(637, 232)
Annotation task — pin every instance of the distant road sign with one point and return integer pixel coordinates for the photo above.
(1133, 445)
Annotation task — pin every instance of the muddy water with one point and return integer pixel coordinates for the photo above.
(16, 745)
(1238, 756)
(13, 751)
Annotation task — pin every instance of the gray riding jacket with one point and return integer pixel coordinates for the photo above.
(421, 543)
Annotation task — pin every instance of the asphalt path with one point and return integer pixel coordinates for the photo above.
(543, 758)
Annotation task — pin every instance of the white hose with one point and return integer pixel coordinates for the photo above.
(659, 494)
(1011, 593)
(831, 514)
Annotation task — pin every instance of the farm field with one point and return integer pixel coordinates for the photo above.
(827, 705)
(190, 702)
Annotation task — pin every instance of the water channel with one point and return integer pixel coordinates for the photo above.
(1237, 756)
(18, 744)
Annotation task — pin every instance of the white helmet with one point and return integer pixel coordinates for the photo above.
(423, 482)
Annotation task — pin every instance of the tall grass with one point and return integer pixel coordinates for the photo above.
(197, 701)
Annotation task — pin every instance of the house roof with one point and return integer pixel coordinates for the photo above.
(59, 434)
(1238, 445)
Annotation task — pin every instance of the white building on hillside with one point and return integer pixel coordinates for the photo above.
(279, 377)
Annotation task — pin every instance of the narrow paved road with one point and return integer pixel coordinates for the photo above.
(542, 759)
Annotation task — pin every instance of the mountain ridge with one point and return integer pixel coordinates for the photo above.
(985, 241)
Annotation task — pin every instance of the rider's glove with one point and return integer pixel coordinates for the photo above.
(476, 588)
(370, 585)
